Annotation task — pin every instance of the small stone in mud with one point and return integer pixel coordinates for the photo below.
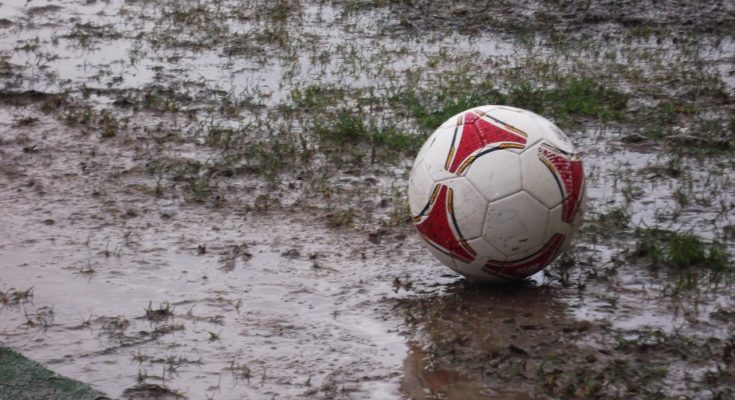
(729, 231)
(291, 253)
(24, 121)
(684, 139)
(150, 391)
(634, 138)
(517, 350)
(43, 9)
(374, 238)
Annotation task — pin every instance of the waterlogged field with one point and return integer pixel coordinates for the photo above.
(207, 199)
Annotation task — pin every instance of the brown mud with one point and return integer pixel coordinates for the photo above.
(207, 199)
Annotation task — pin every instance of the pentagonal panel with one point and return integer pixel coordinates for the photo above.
(554, 135)
(467, 208)
(496, 174)
(420, 186)
(485, 252)
(438, 152)
(516, 224)
(540, 179)
(524, 121)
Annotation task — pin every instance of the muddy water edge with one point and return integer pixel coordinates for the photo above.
(208, 199)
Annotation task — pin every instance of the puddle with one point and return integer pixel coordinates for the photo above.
(224, 304)
(271, 325)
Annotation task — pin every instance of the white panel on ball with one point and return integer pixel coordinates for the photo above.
(443, 257)
(420, 186)
(554, 135)
(520, 119)
(485, 252)
(496, 175)
(538, 179)
(436, 154)
(516, 225)
(556, 225)
(469, 207)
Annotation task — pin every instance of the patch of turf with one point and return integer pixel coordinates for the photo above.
(680, 250)
(24, 379)
(567, 101)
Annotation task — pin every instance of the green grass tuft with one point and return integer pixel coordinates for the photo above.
(681, 250)
(568, 100)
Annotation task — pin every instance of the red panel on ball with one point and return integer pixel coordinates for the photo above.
(570, 178)
(528, 266)
(478, 133)
(435, 228)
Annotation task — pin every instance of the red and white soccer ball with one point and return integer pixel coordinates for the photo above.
(497, 193)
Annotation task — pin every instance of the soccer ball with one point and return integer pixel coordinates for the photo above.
(497, 193)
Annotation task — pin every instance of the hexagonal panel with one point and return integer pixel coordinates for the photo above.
(436, 155)
(496, 174)
(469, 207)
(524, 120)
(516, 224)
(539, 180)
(420, 186)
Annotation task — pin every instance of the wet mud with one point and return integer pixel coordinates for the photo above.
(207, 200)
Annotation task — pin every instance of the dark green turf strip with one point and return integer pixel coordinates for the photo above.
(24, 379)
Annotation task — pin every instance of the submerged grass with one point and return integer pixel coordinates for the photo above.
(681, 250)
(568, 101)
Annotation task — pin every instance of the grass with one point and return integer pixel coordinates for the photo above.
(347, 133)
(24, 379)
(14, 297)
(164, 312)
(567, 101)
(680, 250)
(612, 222)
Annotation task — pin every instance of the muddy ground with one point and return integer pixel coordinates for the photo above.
(207, 199)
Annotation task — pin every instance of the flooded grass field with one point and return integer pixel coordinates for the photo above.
(207, 200)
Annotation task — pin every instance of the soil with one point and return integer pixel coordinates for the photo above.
(208, 200)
